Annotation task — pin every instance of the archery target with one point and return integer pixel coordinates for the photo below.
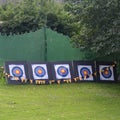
(39, 71)
(62, 71)
(17, 71)
(106, 72)
(85, 72)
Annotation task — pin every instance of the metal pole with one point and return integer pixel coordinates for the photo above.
(45, 44)
(44, 31)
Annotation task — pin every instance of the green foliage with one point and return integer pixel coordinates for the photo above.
(2, 73)
(28, 15)
(99, 25)
(93, 25)
(19, 18)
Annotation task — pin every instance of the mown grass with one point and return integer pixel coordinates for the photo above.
(76, 101)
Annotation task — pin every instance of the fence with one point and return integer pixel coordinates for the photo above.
(31, 47)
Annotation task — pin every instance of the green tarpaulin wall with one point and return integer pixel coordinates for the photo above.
(31, 47)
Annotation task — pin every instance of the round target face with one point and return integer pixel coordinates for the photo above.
(106, 72)
(62, 71)
(17, 71)
(85, 72)
(39, 71)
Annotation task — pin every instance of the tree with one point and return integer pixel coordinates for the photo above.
(19, 18)
(99, 25)
(30, 15)
(93, 25)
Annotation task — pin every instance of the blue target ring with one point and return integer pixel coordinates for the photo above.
(39, 71)
(85, 72)
(17, 72)
(62, 71)
(106, 72)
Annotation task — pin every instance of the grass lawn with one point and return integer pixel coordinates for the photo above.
(76, 101)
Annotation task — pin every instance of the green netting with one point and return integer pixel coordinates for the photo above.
(22, 47)
(60, 48)
(31, 47)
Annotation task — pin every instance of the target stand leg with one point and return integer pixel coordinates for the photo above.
(58, 81)
(76, 79)
(23, 80)
(69, 80)
(80, 78)
(31, 81)
(51, 81)
(36, 82)
(43, 82)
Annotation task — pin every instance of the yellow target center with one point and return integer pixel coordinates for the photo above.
(62, 71)
(40, 71)
(17, 72)
(106, 72)
(85, 73)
